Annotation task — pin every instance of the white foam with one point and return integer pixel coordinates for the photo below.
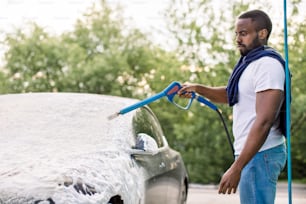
(70, 138)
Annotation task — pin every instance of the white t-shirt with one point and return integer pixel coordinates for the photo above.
(262, 74)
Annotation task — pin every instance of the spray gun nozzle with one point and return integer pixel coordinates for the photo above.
(113, 116)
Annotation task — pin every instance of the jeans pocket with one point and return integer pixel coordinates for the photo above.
(275, 163)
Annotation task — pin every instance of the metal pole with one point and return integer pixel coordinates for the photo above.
(288, 102)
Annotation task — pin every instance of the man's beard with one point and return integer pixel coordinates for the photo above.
(255, 44)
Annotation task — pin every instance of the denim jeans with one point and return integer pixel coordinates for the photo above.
(259, 177)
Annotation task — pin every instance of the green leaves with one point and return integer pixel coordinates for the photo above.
(104, 55)
(34, 61)
(204, 33)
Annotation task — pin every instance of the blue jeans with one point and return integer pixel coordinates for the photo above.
(259, 177)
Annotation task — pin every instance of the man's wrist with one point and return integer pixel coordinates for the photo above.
(237, 165)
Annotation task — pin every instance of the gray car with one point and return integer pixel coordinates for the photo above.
(60, 148)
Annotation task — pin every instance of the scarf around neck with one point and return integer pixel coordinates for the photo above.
(233, 88)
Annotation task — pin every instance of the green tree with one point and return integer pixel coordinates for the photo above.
(101, 55)
(297, 60)
(104, 55)
(33, 61)
(208, 54)
(204, 33)
(297, 48)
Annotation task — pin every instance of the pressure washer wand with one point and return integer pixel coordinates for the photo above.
(170, 92)
(137, 105)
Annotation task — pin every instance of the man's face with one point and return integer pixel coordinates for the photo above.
(246, 36)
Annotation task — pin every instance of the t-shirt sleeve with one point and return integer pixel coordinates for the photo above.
(269, 74)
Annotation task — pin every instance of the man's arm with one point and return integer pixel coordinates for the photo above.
(267, 106)
(215, 94)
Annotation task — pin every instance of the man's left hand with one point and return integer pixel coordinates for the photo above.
(230, 180)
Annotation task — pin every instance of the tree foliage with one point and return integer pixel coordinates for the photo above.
(209, 53)
(101, 55)
(205, 39)
(104, 55)
(297, 49)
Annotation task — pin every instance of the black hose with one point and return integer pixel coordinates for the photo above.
(227, 132)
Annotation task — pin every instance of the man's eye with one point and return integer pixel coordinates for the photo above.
(241, 34)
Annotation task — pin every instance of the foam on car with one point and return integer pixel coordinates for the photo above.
(65, 136)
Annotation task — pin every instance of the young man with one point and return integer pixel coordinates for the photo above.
(256, 92)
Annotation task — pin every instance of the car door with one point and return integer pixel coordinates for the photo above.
(174, 176)
(145, 123)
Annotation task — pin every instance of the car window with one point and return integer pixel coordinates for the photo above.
(145, 121)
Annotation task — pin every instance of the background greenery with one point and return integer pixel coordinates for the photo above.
(103, 55)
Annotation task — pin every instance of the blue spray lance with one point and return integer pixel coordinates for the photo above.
(170, 93)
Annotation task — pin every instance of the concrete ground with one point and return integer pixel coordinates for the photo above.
(201, 194)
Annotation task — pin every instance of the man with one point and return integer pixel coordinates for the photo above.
(256, 92)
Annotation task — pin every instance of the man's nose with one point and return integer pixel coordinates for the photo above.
(238, 38)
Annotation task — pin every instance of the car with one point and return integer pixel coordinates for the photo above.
(61, 148)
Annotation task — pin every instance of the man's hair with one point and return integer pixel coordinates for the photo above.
(261, 19)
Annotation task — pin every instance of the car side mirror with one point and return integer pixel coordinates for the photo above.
(145, 144)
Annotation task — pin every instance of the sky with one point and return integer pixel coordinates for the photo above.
(59, 15)
(56, 15)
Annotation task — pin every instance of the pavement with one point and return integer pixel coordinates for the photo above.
(201, 194)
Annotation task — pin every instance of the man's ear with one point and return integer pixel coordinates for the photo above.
(263, 34)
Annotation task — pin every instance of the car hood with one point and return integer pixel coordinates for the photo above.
(87, 178)
(60, 156)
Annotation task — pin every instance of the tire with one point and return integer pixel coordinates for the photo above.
(115, 200)
(184, 194)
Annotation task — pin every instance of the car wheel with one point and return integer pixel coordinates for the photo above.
(184, 194)
(115, 200)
